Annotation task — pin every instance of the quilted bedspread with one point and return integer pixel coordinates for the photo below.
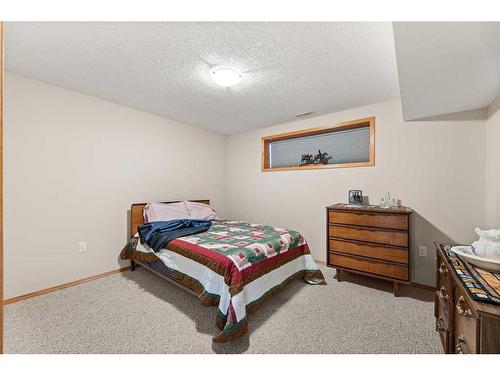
(246, 244)
(236, 266)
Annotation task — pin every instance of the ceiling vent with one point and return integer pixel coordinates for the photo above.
(304, 114)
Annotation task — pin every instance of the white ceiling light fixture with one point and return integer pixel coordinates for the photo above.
(225, 76)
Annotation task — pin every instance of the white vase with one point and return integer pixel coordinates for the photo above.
(488, 245)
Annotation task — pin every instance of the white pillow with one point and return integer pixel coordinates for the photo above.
(200, 211)
(165, 211)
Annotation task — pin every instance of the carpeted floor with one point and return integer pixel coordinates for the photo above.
(137, 312)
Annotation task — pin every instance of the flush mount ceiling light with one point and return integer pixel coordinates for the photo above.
(226, 77)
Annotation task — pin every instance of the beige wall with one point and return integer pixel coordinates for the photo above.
(74, 164)
(492, 181)
(436, 168)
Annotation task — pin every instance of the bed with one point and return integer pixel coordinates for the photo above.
(235, 265)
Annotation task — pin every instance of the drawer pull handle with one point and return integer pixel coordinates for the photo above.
(439, 325)
(442, 269)
(442, 294)
(462, 307)
(459, 346)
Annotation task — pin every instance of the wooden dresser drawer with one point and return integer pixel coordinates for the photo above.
(393, 270)
(395, 254)
(444, 286)
(465, 326)
(369, 219)
(444, 297)
(443, 328)
(443, 300)
(381, 236)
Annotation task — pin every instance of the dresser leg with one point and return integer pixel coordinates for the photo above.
(396, 289)
(132, 265)
(338, 275)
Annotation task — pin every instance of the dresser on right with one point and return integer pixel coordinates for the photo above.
(464, 325)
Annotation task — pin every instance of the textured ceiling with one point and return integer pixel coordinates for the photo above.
(447, 67)
(163, 68)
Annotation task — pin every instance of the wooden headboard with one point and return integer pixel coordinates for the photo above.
(137, 218)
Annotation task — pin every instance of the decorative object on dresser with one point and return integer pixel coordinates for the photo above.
(466, 253)
(467, 305)
(355, 197)
(488, 245)
(369, 240)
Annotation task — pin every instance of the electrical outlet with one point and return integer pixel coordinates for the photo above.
(422, 251)
(82, 247)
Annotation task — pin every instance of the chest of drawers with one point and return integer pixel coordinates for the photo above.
(371, 241)
(464, 325)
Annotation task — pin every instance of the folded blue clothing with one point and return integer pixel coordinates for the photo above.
(158, 234)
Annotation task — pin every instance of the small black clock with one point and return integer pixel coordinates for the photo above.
(355, 197)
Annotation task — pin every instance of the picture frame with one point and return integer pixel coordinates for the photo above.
(355, 197)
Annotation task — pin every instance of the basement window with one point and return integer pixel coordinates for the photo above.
(348, 144)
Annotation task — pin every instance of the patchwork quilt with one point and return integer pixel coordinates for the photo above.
(236, 266)
(246, 244)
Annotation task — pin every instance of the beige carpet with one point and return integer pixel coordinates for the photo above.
(137, 312)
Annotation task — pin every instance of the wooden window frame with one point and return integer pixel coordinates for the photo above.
(1, 188)
(359, 123)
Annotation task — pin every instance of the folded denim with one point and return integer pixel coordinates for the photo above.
(158, 234)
